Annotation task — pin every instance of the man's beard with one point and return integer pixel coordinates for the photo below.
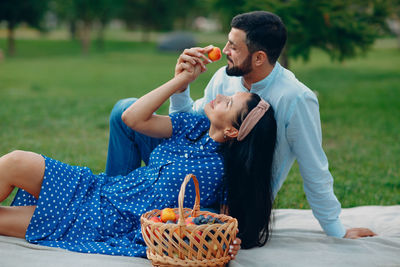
(239, 70)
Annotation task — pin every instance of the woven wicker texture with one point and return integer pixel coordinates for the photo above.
(188, 245)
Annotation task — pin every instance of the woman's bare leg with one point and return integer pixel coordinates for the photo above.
(24, 170)
(14, 221)
(21, 169)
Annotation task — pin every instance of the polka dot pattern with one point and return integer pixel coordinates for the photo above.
(83, 212)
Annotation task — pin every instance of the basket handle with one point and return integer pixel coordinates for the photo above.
(181, 197)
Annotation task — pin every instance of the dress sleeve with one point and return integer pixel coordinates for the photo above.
(305, 138)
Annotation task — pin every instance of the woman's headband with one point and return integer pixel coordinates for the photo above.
(252, 118)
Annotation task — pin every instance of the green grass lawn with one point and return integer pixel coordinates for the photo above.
(56, 102)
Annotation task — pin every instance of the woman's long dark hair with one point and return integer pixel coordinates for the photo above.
(248, 177)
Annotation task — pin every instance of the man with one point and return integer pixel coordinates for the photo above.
(254, 44)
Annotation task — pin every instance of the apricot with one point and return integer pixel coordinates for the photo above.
(214, 54)
(189, 221)
(168, 214)
(155, 219)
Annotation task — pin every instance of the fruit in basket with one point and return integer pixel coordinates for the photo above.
(189, 221)
(209, 219)
(155, 219)
(214, 54)
(168, 214)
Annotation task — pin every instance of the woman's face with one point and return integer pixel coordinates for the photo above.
(223, 110)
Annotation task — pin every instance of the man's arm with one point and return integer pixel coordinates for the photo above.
(305, 137)
(182, 102)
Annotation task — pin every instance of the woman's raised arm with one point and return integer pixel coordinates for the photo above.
(140, 115)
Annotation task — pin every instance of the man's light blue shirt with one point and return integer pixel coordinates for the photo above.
(298, 135)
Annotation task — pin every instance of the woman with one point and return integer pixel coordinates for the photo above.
(82, 212)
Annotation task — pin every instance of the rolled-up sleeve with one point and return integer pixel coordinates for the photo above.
(303, 132)
(181, 102)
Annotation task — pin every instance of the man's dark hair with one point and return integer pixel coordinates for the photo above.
(264, 31)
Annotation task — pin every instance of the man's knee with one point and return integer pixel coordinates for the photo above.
(119, 108)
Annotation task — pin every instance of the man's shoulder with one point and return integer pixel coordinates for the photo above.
(291, 87)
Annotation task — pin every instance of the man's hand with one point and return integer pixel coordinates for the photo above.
(354, 233)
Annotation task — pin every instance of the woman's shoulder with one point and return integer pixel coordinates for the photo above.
(185, 121)
(187, 116)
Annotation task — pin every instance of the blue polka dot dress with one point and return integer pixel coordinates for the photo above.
(83, 212)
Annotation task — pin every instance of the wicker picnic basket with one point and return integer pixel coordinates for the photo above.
(188, 245)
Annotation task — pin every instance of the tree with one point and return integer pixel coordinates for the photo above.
(65, 12)
(341, 28)
(81, 15)
(159, 15)
(105, 12)
(393, 20)
(15, 12)
(148, 15)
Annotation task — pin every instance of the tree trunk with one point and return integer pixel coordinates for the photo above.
(85, 37)
(72, 29)
(100, 36)
(11, 39)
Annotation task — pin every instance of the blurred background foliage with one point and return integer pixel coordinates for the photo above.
(65, 63)
(343, 29)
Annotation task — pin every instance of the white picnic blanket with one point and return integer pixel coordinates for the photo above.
(297, 240)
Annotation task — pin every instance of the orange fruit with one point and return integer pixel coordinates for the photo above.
(189, 221)
(215, 54)
(155, 219)
(168, 214)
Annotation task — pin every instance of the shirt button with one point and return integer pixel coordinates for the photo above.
(201, 147)
(186, 155)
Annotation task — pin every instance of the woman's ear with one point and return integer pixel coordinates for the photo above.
(231, 132)
(259, 58)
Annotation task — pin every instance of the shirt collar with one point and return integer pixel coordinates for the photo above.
(264, 83)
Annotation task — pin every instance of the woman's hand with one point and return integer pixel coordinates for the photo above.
(234, 248)
(193, 56)
(188, 73)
